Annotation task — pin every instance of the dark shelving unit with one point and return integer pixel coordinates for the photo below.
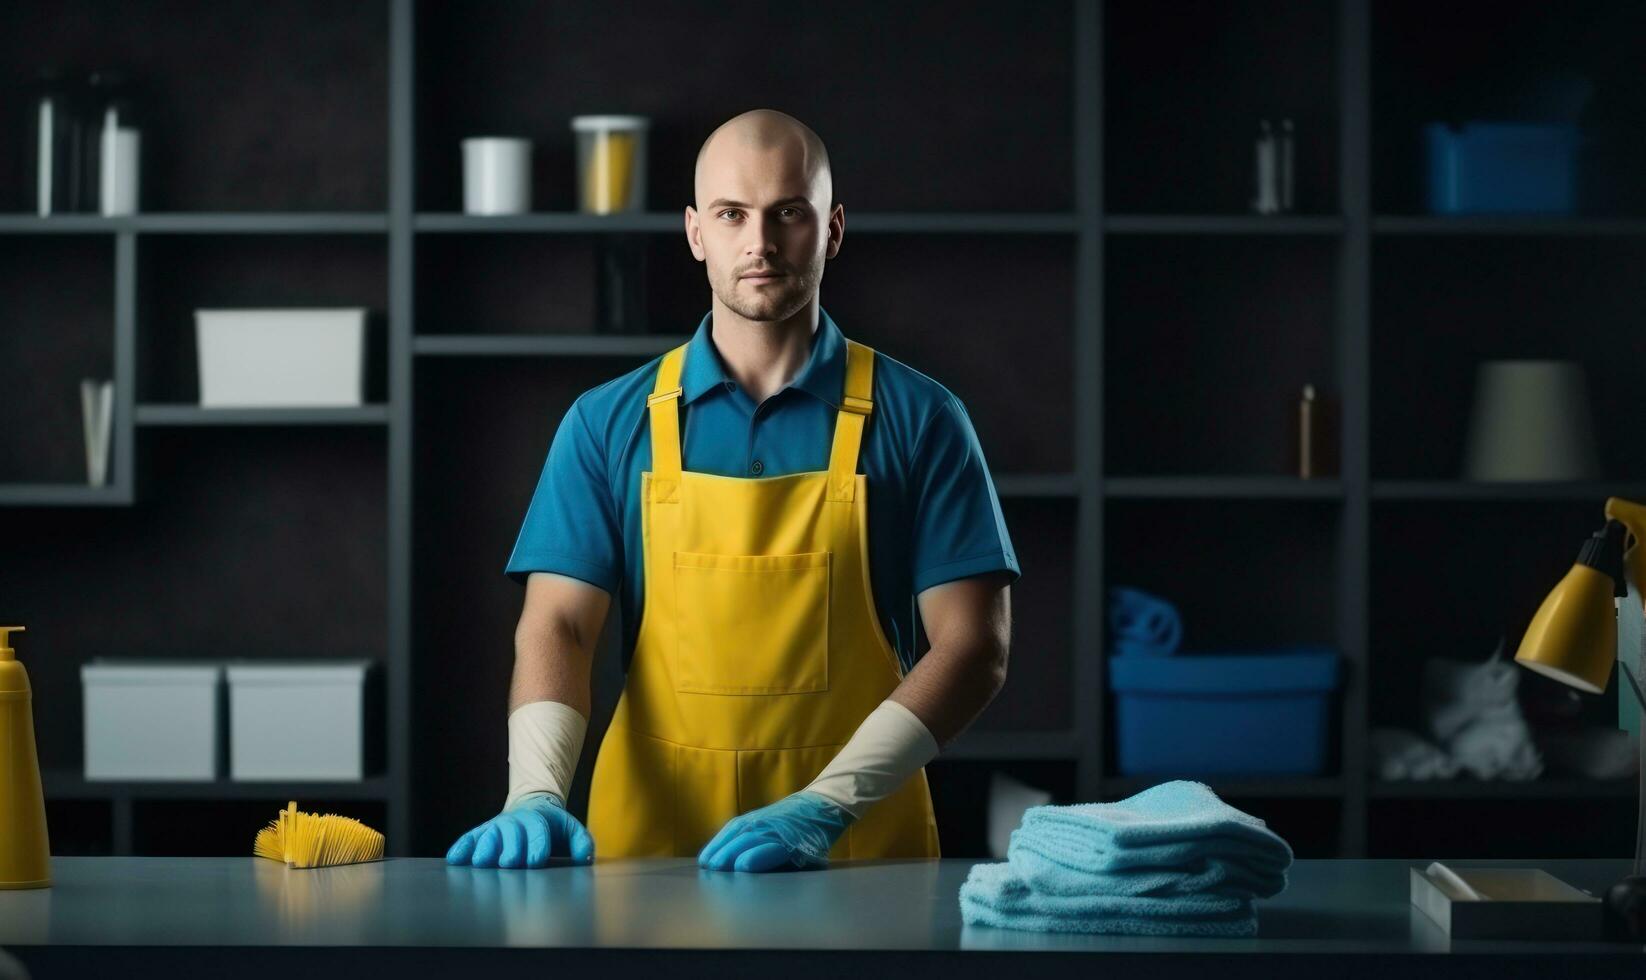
(1133, 343)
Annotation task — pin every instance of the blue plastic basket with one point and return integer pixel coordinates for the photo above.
(1492, 167)
(1248, 713)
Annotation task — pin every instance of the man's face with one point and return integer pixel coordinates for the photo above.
(760, 215)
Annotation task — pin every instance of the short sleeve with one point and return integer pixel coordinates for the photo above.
(571, 525)
(958, 529)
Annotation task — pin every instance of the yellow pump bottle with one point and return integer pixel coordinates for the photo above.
(25, 853)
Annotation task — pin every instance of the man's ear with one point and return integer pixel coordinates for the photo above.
(694, 239)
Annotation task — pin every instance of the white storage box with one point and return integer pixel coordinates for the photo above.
(297, 719)
(286, 358)
(151, 719)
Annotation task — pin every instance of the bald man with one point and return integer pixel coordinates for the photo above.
(765, 501)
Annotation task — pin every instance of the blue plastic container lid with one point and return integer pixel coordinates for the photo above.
(1304, 668)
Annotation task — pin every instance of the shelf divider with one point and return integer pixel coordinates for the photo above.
(1265, 786)
(1507, 224)
(1353, 357)
(1223, 224)
(670, 222)
(67, 784)
(987, 745)
(63, 495)
(154, 414)
(546, 345)
(1532, 789)
(1086, 628)
(201, 222)
(402, 327)
(1222, 488)
(1475, 490)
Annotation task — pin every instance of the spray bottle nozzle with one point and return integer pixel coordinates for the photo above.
(6, 652)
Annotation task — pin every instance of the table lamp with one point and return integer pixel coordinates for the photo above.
(1574, 638)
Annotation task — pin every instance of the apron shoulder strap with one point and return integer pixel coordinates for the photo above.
(663, 406)
(855, 406)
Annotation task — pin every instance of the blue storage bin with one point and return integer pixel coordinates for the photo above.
(1246, 713)
(1502, 167)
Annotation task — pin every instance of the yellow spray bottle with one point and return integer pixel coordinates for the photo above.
(25, 853)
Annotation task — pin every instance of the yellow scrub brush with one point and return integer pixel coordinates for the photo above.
(308, 840)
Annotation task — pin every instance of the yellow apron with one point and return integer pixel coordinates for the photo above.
(759, 651)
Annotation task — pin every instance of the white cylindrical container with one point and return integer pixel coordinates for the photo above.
(151, 719)
(497, 175)
(1531, 421)
(611, 163)
(118, 175)
(299, 719)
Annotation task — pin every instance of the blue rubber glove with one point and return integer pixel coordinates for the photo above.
(525, 836)
(796, 831)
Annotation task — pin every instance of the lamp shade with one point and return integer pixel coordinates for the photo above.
(1531, 421)
(1573, 637)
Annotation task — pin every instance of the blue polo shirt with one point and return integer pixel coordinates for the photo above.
(933, 512)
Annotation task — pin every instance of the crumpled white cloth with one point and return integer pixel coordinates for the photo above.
(1473, 725)
(1400, 754)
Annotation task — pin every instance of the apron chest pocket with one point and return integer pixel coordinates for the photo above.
(751, 624)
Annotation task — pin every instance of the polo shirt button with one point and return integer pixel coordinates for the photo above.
(757, 466)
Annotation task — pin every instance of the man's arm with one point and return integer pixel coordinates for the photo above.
(554, 641)
(549, 698)
(969, 623)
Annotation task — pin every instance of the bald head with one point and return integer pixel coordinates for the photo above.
(761, 133)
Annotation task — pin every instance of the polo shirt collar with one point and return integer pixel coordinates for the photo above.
(823, 375)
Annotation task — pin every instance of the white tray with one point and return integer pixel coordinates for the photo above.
(1517, 903)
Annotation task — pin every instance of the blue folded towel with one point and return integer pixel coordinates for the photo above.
(1174, 824)
(1042, 870)
(993, 895)
(1142, 624)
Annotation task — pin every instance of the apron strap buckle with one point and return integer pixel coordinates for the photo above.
(856, 405)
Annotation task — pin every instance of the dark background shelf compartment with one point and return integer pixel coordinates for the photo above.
(58, 303)
(489, 76)
(1242, 574)
(245, 543)
(79, 826)
(1185, 88)
(484, 426)
(246, 106)
(1456, 62)
(528, 284)
(959, 787)
(1443, 305)
(1478, 828)
(1209, 343)
(178, 275)
(993, 321)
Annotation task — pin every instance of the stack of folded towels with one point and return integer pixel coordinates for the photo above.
(1173, 860)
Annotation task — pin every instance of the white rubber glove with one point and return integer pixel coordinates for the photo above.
(545, 742)
(886, 749)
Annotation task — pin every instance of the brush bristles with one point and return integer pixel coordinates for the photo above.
(307, 840)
